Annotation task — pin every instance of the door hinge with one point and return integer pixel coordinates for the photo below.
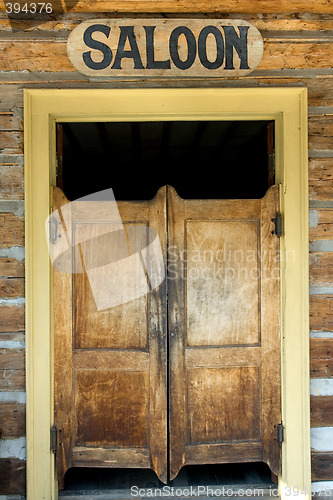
(280, 429)
(54, 439)
(278, 225)
(54, 233)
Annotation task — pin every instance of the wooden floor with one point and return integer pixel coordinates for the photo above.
(198, 482)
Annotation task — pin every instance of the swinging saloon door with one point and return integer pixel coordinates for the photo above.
(224, 331)
(110, 364)
(115, 404)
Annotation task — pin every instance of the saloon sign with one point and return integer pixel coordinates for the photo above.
(165, 48)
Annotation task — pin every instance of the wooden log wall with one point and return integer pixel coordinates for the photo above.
(298, 51)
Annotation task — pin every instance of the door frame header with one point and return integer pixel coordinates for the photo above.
(288, 108)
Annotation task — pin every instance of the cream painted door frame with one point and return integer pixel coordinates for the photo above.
(288, 107)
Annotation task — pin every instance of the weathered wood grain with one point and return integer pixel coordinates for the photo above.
(12, 336)
(115, 360)
(11, 142)
(321, 179)
(34, 56)
(12, 476)
(12, 420)
(11, 230)
(52, 56)
(215, 300)
(86, 457)
(232, 6)
(321, 313)
(220, 452)
(321, 466)
(321, 269)
(321, 354)
(12, 318)
(11, 287)
(321, 408)
(10, 122)
(12, 380)
(11, 268)
(11, 182)
(265, 22)
(320, 143)
(12, 359)
(12, 370)
(324, 229)
(321, 126)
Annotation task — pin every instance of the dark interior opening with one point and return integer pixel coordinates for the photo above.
(125, 483)
(200, 159)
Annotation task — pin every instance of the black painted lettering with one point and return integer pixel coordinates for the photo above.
(202, 47)
(96, 45)
(150, 51)
(191, 47)
(127, 34)
(239, 43)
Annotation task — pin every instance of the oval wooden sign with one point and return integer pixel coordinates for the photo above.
(165, 47)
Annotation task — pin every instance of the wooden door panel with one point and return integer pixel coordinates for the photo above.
(111, 357)
(214, 415)
(124, 325)
(221, 282)
(111, 407)
(224, 343)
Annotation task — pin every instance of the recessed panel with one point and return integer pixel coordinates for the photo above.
(111, 408)
(110, 286)
(223, 404)
(222, 282)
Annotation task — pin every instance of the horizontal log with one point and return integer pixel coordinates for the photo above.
(12, 336)
(12, 380)
(12, 476)
(11, 230)
(11, 182)
(11, 268)
(52, 56)
(320, 143)
(321, 126)
(320, 90)
(296, 55)
(321, 269)
(225, 6)
(34, 56)
(321, 411)
(321, 313)
(11, 142)
(321, 466)
(324, 229)
(12, 318)
(11, 96)
(12, 359)
(321, 179)
(12, 370)
(10, 122)
(263, 22)
(12, 420)
(11, 287)
(321, 354)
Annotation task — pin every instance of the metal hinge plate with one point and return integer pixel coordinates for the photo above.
(278, 225)
(280, 430)
(54, 230)
(54, 439)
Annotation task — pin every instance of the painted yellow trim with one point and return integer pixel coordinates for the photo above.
(288, 107)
